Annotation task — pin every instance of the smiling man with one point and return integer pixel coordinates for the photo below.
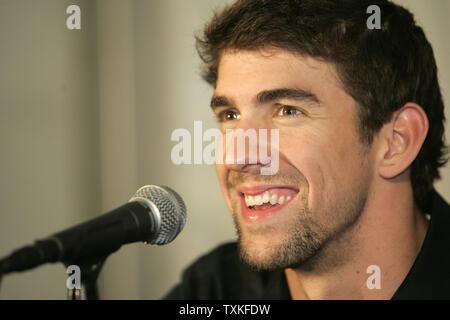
(360, 117)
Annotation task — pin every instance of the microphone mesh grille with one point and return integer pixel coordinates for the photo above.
(171, 208)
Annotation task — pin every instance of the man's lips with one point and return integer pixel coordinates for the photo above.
(259, 202)
(253, 190)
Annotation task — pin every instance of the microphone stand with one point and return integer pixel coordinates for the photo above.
(1, 275)
(1, 272)
(90, 270)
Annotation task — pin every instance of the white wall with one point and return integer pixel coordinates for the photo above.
(49, 165)
(170, 95)
(433, 17)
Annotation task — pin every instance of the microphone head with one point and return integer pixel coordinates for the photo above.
(169, 212)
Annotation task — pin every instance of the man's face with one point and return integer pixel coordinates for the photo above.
(324, 171)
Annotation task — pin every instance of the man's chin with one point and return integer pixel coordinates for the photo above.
(265, 256)
(258, 245)
(256, 260)
(267, 251)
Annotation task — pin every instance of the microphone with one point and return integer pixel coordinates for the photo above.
(155, 215)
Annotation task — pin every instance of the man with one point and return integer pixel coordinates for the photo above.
(360, 117)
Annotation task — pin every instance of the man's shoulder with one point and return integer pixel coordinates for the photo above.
(219, 263)
(206, 277)
(220, 274)
(428, 278)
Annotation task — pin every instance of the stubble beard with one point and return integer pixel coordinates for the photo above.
(301, 245)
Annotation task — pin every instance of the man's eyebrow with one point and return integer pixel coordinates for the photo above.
(286, 93)
(219, 101)
(269, 96)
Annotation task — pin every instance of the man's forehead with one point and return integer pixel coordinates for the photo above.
(272, 68)
(275, 56)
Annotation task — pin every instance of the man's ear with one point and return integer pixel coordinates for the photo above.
(401, 140)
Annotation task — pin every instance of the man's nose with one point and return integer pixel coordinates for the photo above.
(253, 168)
(247, 149)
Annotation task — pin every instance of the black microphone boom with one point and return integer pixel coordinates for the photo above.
(154, 215)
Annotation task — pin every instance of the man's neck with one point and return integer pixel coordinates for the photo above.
(387, 237)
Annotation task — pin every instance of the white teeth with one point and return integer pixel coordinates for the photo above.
(258, 200)
(274, 199)
(265, 198)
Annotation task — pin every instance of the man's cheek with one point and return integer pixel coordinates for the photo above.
(222, 173)
(313, 180)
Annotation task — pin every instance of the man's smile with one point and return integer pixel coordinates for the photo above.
(260, 202)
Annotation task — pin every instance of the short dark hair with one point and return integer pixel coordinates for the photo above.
(382, 69)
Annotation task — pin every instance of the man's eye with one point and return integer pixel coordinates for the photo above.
(228, 115)
(288, 111)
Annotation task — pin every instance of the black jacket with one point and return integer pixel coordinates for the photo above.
(221, 275)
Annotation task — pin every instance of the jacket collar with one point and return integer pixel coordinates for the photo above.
(429, 276)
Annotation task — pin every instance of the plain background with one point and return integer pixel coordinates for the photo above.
(86, 118)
